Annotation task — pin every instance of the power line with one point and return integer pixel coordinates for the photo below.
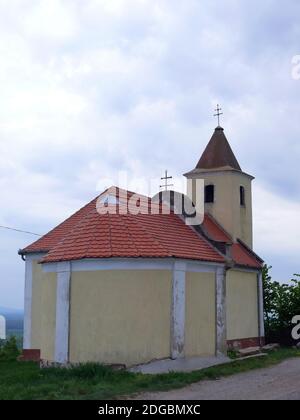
(19, 230)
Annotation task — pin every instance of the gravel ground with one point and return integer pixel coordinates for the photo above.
(280, 382)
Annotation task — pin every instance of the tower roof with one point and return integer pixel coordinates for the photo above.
(218, 153)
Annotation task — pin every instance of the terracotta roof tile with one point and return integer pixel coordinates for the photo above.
(88, 234)
(216, 231)
(142, 235)
(241, 255)
(46, 242)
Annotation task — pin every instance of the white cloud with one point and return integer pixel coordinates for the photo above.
(53, 20)
(89, 88)
(276, 223)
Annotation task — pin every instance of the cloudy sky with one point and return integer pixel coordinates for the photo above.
(90, 89)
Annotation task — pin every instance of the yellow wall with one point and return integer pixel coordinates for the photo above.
(43, 311)
(242, 305)
(200, 330)
(226, 209)
(120, 316)
(124, 316)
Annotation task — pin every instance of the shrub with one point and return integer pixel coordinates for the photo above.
(281, 304)
(9, 349)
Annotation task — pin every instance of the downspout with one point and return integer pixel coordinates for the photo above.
(20, 252)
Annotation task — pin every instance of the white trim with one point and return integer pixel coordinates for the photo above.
(219, 172)
(178, 310)
(27, 305)
(35, 256)
(62, 313)
(28, 298)
(122, 264)
(63, 267)
(49, 267)
(245, 269)
(99, 264)
(261, 323)
(221, 330)
(203, 267)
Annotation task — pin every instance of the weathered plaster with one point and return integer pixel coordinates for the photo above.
(120, 317)
(226, 209)
(261, 305)
(242, 304)
(221, 334)
(28, 299)
(62, 313)
(178, 310)
(200, 315)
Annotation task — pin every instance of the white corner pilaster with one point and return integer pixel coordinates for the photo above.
(27, 304)
(62, 312)
(221, 333)
(261, 323)
(178, 310)
(27, 329)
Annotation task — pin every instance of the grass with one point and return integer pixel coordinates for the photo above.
(25, 381)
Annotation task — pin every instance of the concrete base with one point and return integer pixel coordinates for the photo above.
(179, 365)
(249, 351)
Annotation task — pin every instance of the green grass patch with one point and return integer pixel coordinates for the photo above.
(25, 381)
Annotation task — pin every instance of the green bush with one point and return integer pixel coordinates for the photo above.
(281, 302)
(9, 349)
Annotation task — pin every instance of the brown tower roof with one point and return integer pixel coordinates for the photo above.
(218, 153)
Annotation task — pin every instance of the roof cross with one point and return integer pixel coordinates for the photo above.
(218, 113)
(166, 178)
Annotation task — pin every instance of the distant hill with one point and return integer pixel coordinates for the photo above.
(5, 310)
(14, 318)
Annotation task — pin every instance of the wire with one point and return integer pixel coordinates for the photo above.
(19, 230)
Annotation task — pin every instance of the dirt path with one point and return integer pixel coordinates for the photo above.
(280, 382)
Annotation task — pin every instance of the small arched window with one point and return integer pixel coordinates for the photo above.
(209, 193)
(242, 196)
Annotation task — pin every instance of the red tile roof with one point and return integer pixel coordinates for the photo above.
(241, 254)
(88, 234)
(48, 241)
(115, 235)
(215, 231)
(52, 238)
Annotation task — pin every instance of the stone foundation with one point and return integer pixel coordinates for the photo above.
(243, 343)
(30, 355)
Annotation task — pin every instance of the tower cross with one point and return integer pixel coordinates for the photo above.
(218, 113)
(166, 178)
